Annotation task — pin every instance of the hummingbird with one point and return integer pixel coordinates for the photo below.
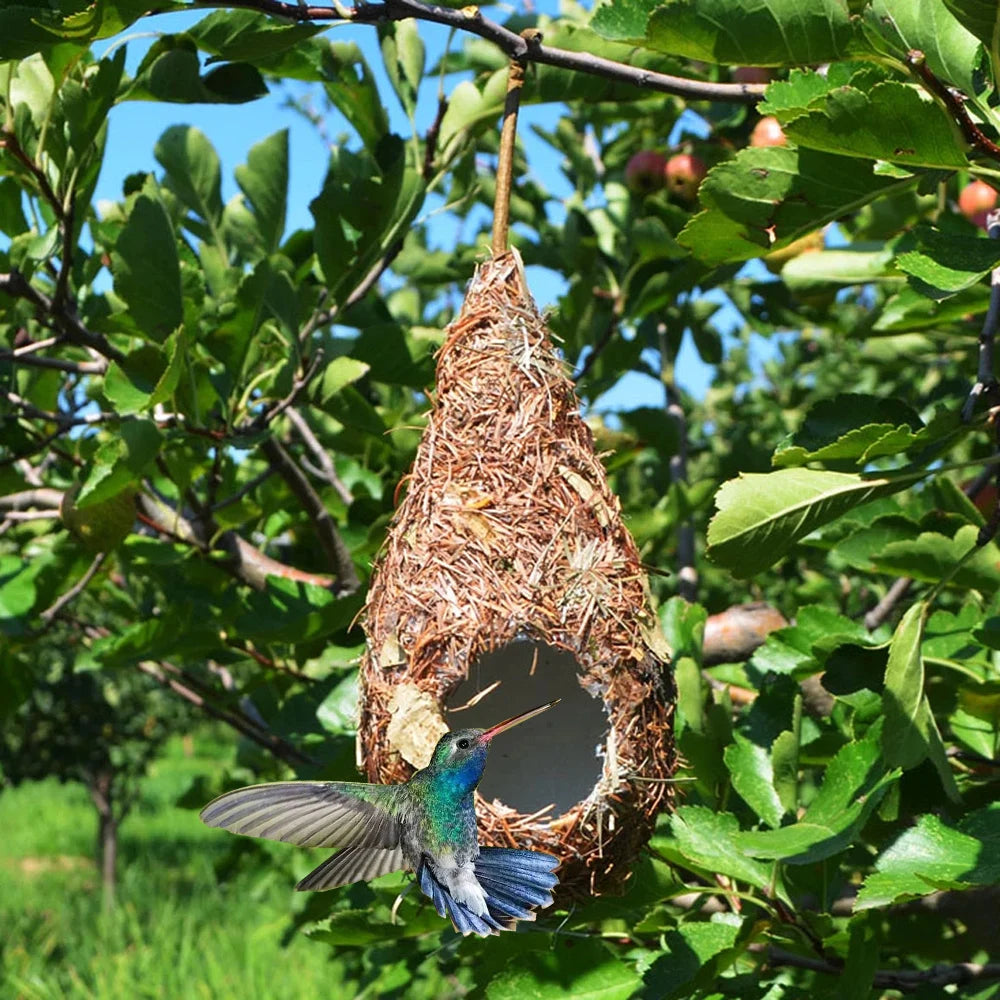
(426, 825)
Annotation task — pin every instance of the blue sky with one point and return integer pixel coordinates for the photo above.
(233, 129)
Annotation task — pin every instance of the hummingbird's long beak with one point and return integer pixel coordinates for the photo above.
(515, 720)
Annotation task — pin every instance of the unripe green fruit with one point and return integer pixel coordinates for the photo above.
(101, 526)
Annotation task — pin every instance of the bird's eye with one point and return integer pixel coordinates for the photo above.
(462, 744)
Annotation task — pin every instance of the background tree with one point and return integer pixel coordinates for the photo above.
(257, 395)
(102, 732)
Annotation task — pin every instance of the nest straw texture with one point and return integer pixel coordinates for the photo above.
(509, 530)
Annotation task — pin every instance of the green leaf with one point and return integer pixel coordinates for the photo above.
(146, 377)
(365, 206)
(12, 220)
(981, 17)
(854, 783)
(292, 611)
(785, 763)
(932, 556)
(403, 55)
(851, 426)
(862, 960)
(760, 516)
(765, 33)
(944, 264)
(337, 375)
(712, 841)
(590, 971)
(933, 855)
(687, 957)
(87, 101)
(121, 461)
(193, 170)
(854, 265)
(903, 741)
(357, 928)
(264, 180)
(349, 84)
(175, 76)
(765, 198)
(147, 270)
(248, 36)
(890, 121)
(753, 778)
(17, 591)
(897, 26)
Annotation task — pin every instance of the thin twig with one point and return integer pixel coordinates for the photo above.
(281, 749)
(687, 570)
(986, 382)
(326, 529)
(326, 316)
(899, 589)
(505, 160)
(905, 980)
(78, 588)
(599, 348)
(329, 473)
(37, 361)
(9, 141)
(278, 408)
(431, 138)
(954, 104)
(470, 19)
(243, 490)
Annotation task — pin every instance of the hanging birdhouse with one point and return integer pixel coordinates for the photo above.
(508, 579)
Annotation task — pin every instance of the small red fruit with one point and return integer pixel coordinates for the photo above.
(975, 201)
(644, 172)
(768, 132)
(684, 173)
(751, 74)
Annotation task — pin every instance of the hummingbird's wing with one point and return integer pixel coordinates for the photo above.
(354, 864)
(313, 814)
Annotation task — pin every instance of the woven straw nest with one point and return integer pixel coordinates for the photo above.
(508, 531)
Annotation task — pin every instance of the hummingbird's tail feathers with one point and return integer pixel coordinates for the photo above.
(463, 919)
(353, 864)
(516, 880)
(309, 813)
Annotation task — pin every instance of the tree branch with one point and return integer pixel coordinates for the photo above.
(42, 497)
(326, 529)
(62, 319)
(74, 592)
(329, 473)
(470, 19)
(246, 563)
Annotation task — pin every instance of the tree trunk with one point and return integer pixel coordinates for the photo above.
(107, 835)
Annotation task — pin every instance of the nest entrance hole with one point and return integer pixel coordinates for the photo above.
(551, 759)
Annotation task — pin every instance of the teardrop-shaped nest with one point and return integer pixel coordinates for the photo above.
(509, 530)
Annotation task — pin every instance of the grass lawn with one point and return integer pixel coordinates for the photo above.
(177, 931)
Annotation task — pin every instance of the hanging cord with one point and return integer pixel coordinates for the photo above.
(505, 161)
